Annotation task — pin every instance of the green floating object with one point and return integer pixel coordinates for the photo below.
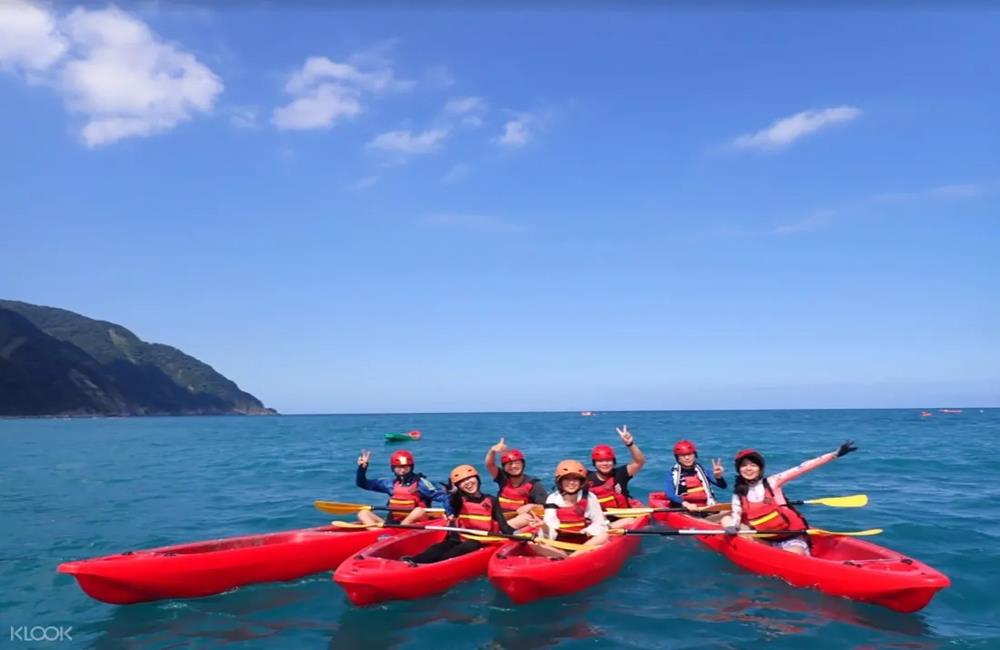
(402, 437)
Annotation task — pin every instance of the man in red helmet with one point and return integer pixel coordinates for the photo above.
(519, 494)
(688, 484)
(609, 482)
(409, 492)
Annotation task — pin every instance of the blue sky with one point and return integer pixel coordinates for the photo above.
(368, 211)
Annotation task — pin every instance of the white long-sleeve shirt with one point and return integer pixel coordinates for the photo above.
(756, 493)
(598, 522)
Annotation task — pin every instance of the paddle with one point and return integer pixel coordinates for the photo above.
(338, 508)
(852, 501)
(719, 531)
(492, 537)
(482, 534)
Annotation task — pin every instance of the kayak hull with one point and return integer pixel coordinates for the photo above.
(525, 577)
(211, 567)
(377, 574)
(410, 436)
(839, 566)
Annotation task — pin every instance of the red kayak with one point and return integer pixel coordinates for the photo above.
(524, 576)
(376, 574)
(839, 566)
(211, 567)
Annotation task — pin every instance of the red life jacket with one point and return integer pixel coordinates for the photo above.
(511, 498)
(477, 516)
(404, 499)
(692, 490)
(609, 493)
(573, 518)
(771, 516)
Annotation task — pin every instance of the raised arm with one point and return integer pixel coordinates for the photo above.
(638, 458)
(361, 478)
(781, 478)
(491, 456)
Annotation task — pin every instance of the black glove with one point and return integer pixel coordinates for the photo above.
(846, 448)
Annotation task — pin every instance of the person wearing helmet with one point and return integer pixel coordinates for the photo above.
(609, 482)
(473, 510)
(759, 503)
(519, 493)
(409, 492)
(689, 485)
(572, 510)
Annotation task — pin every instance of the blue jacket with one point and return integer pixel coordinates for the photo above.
(428, 492)
(671, 492)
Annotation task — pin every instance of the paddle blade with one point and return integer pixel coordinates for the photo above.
(337, 508)
(849, 533)
(852, 501)
(629, 512)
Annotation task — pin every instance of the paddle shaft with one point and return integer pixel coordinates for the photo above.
(695, 532)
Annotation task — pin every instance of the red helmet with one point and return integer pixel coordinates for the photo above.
(602, 452)
(400, 458)
(510, 456)
(684, 447)
(752, 454)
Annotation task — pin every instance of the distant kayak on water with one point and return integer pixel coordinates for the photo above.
(586, 413)
(926, 414)
(409, 436)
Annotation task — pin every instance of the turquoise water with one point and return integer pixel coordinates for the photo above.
(79, 488)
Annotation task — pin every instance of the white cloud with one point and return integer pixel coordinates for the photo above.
(407, 142)
(467, 110)
(109, 67)
(324, 91)
(29, 39)
(439, 76)
(364, 183)
(787, 130)
(243, 117)
(472, 221)
(957, 191)
(457, 173)
(814, 221)
(516, 133)
(127, 81)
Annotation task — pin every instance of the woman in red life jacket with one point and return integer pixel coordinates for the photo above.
(409, 492)
(572, 511)
(472, 509)
(759, 503)
(519, 493)
(609, 483)
(688, 484)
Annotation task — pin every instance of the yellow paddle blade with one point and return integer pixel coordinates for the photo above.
(337, 508)
(629, 512)
(852, 501)
(850, 533)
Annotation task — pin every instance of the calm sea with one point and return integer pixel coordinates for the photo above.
(79, 488)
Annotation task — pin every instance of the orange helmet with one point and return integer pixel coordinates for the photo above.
(463, 472)
(570, 468)
(400, 458)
